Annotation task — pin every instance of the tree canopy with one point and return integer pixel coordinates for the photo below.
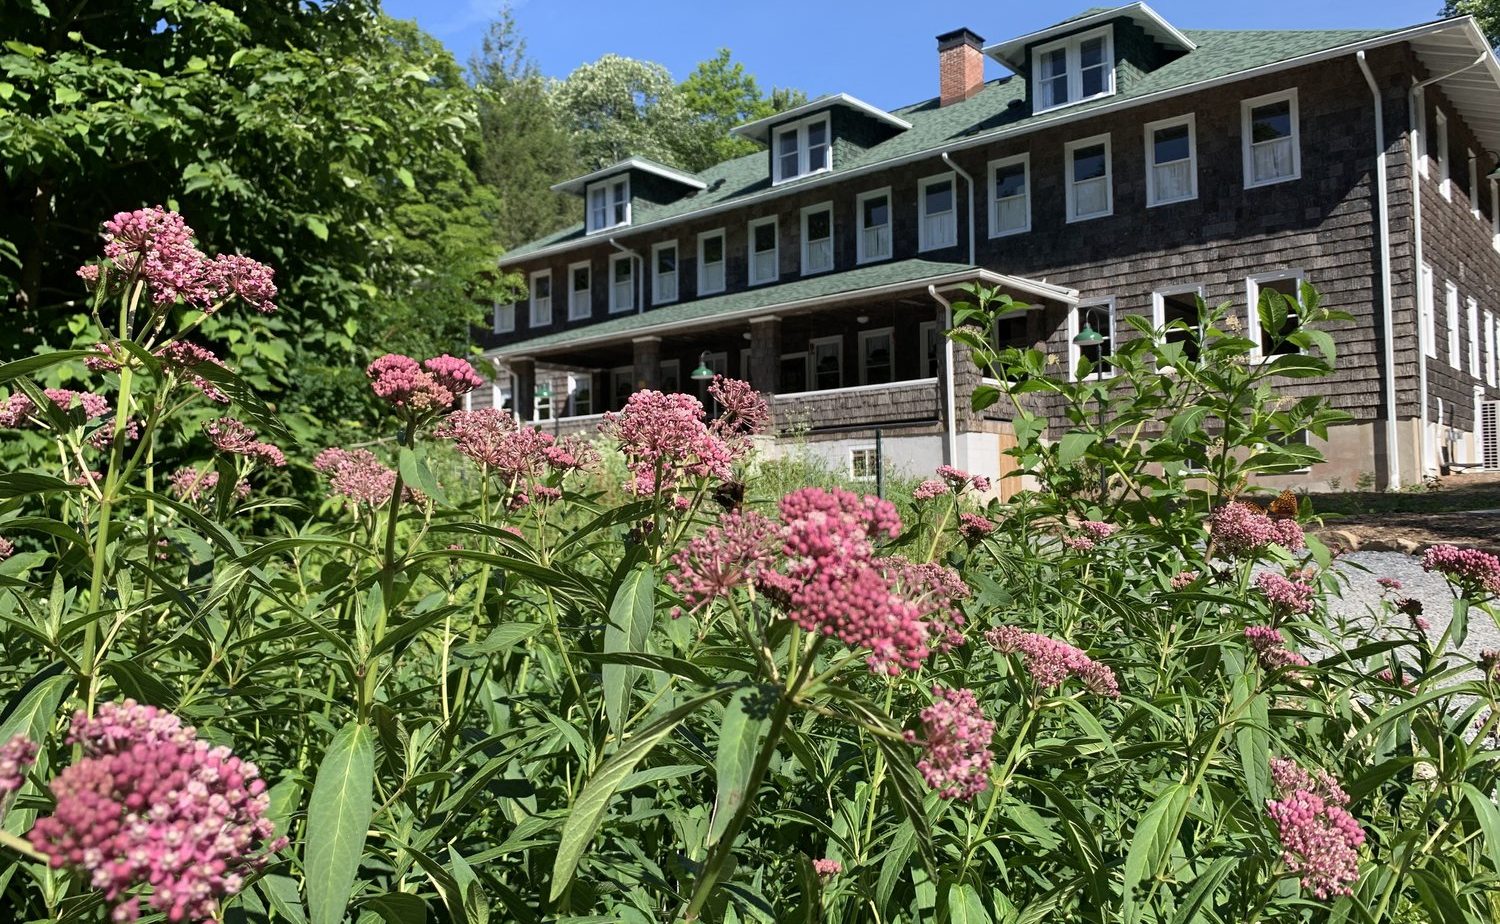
(1487, 12)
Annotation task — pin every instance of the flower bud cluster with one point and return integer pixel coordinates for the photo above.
(1051, 662)
(955, 744)
(1240, 530)
(1475, 571)
(237, 438)
(1320, 840)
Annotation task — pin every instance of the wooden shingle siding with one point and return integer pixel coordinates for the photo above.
(898, 403)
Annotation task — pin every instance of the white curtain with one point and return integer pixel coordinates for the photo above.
(580, 307)
(666, 287)
(819, 255)
(624, 295)
(877, 242)
(1010, 214)
(1272, 159)
(713, 276)
(1173, 181)
(940, 230)
(541, 310)
(1090, 197)
(765, 266)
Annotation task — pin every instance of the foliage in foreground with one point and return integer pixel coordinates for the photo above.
(494, 696)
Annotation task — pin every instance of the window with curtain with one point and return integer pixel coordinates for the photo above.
(1173, 163)
(875, 226)
(939, 214)
(763, 252)
(875, 362)
(622, 284)
(817, 240)
(1089, 194)
(580, 294)
(1270, 129)
(711, 263)
(1010, 197)
(664, 285)
(541, 299)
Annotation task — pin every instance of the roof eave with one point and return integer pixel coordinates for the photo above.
(578, 183)
(1012, 52)
(760, 130)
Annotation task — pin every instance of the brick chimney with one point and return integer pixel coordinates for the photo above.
(960, 66)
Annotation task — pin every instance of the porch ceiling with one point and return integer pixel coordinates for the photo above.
(1475, 90)
(878, 281)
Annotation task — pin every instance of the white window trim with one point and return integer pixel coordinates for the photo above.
(614, 380)
(535, 320)
(812, 360)
(588, 304)
(506, 311)
(1025, 161)
(1445, 160)
(750, 250)
(1424, 161)
(923, 245)
(1472, 325)
(1474, 186)
(873, 461)
(656, 275)
(859, 224)
(609, 186)
(1074, 352)
(1159, 306)
(1109, 176)
(802, 149)
(614, 306)
(1073, 44)
(1451, 315)
(1489, 348)
(864, 335)
(1252, 300)
(723, 261)
(1427, 311)
(1247, 156)
(1191, 121)
(1495, 212)
(808, 212)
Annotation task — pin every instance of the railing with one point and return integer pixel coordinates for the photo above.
(909, 401)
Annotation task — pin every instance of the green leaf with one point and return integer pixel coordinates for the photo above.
(1488, 817)
(34, 364)
(398, 908)
(504, 637)
(1153, 838)
(416, 473)
(25, 484)
(739, 740)
(33, 710)
(1073, 445)
(588, 811)
(338, 818)
(631, 617)
(965, 906)
(317, 226)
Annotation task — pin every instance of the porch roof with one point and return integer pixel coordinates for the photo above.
(874, 281)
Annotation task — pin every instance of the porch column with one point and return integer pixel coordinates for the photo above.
(524, 395)
(765, 354)
(647, 363)
(965, 379)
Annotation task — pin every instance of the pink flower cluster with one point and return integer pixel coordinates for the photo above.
(152, 804)
(237, 438)
(422, 389)
(523, 457)
(1271, 649)
(1489, 664)
(974, 528)
(665, 442)
(827, 868)
(1050, 662)
(735, 553)
(955, 743)
(929, 489)
(1473, 570)
(19, 410)
(191, 484)
(183, 357)
(1182, 580)
(937, 590)
(158, 245)
(1090, 534)
(1287, 596)
(960, 480)
(1320, 840)
(743, 411)
(1388, 584)
(357, 475)
(1240, 530)
(7, 548)
(16, 757)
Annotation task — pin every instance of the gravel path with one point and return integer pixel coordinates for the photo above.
(1363, 594)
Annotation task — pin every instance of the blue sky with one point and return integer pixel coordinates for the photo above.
(881, 51)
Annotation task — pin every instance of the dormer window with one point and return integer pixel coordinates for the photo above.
(1072, 70)
(609, 204)
(801, 149)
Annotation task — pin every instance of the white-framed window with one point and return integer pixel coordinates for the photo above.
(1269, 127)
(1439, 146)
(1071, 70)
(1473, 323)
(1010, 195)
(1288, 283)
(931, 340)
(1489, 348)
(1172, 160)
(580, 291)
(1099, 315)
(1090, 178)
(710, 262)
(1180, 303)
(664, 273)
(505, 318)
(874, 211)
(802, 149)
(826, 357)
(877, 364)
(817, 238)
(794, 377)
(581, 395)
(1427, 311)
(765, 250)
(1495, 212)
(671, 375)
(937, 213)
(1474, 186)
(609, 204)
(621, 283)
(863, 463)
(1450, 292)
(541, 298)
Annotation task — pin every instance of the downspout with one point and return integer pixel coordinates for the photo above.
(948, 352)
(1387, 309)
(640, 275)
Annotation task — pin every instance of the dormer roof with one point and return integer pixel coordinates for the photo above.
(760, 129)
(1012, 52)
(578, 184)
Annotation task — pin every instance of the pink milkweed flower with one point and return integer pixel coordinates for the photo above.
(955, 744)
(357, 475)
(930, 489)
(16, 757)
(665, 442)
(252, 281)
(1182, 580)
(1320, 840)
(1271, 649)
(401, 382)
(827, 869)
(7, 548)
(974, 528)
(960, 480)
(1474, 571)
(157, 245)
(454, 374)
(1388, 583)
(1051, 663)
(235, 437)
(1287, 596)
(732, 554)
(1240, 530)
(190, 484)
(183, 357)
(744, 411)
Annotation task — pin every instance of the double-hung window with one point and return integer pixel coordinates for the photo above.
(1182, 305)
(817, 239)
(1090, 192)
(1451, 295)
(764, 251)
(827, 355)
(541, 298)
(1438, 146)
(1010, 195)
(1489, 348)
(1427, 316)
(664, 273)
(1098, 316)
(1287, 284)
(930, 341)
(938, 213)
(609, 204)
(580, 291)
(1074, 69)
(874, 210)
(875, 356)
(1474, 186)
(1272, 145)
(621, 283)
(710, 262)
(1473, 318)
(505, 318)
(1171, 161)
(802, 149)
(581, 395)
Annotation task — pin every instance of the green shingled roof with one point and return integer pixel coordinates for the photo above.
(1000, 108)
(916, 272)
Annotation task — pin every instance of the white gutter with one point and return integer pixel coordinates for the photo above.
(951, 449)
(1072, 114)
(1387, 308)
(640, 277)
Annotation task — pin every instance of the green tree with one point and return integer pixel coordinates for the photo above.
(722, 94)
(1486, 11)
(619, 107)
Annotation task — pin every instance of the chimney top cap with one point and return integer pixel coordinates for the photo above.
(959, 37)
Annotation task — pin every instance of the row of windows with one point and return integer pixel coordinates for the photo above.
(1461, 315)
(1436, 163)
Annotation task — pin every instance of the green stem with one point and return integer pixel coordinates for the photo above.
(101, 543)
